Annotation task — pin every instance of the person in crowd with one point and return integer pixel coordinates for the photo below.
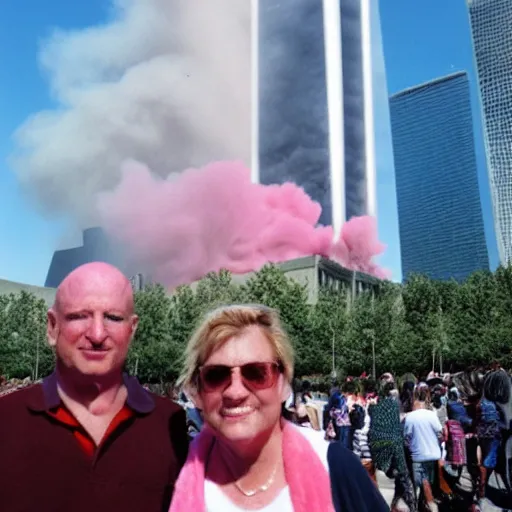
(305, 413)
(334, 397)
(339, 418)
(342, 415)
(498, 389)
(439, 404)
(455, 440)
(469, 385)
(455, 482)
(89, 437)
(423, 434)
(351, 391)
(406, 398)
(387, 445)
(238, 369)
(456, 410)
(422, 396)
(386, 378)
(489, 426)
(360, 419)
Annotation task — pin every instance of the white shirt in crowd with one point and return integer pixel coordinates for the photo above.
(422, 428)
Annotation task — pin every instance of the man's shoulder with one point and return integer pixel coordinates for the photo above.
(421, 415)
(15, 408)
(165, 405)
(20, 399)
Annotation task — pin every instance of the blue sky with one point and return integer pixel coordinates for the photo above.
(27, 240)
(423, 39)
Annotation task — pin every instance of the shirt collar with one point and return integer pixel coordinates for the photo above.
(48, 396)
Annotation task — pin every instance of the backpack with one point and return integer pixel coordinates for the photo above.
(340, 414)
(489, 412)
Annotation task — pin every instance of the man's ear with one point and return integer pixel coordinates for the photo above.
(135, 324)
(52, 328)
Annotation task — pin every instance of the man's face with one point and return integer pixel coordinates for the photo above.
(92, 325)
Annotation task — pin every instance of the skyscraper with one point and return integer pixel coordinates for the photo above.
(315, 115)
(492, 42)
(439, 209)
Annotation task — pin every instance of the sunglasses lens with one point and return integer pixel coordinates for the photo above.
(213, 377)
(259, 375)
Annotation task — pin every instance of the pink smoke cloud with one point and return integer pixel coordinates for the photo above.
(358, 245)
(212, 218)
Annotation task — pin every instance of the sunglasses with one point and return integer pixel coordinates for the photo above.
(255, 376)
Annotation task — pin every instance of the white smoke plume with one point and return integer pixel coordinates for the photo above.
(166, 82)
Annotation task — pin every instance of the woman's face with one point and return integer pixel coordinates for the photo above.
(237, 411)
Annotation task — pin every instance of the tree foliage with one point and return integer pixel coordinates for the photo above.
(414, 327)
(23, 349)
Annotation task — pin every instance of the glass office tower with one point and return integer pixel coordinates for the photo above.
(315, 94)
(491, 22)
(439, 209)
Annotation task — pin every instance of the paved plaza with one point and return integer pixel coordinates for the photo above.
(387, 488)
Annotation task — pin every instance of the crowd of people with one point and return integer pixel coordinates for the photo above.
(10, 385)
(445, 440)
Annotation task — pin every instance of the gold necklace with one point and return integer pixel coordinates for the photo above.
(263, 488)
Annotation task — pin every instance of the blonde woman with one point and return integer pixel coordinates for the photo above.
(238, 371)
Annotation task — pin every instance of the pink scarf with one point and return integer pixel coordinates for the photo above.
(307, 478)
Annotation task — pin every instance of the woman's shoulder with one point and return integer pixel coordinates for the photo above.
(318, 443)
(325, 450)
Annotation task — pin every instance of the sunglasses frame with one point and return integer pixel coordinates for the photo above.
(274, 367)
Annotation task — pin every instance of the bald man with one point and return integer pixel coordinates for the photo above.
(90, 438)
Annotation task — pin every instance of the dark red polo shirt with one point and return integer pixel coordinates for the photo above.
(86, 442)
(49, 463)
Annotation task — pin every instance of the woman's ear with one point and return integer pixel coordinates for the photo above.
(286, 390)
(195, 397)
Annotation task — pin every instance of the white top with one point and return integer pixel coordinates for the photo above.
(217, 501)
(422, 427)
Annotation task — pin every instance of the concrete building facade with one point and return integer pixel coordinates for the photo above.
(8, 287)
(313, 272)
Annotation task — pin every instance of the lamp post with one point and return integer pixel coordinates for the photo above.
(333, 374)
(374, 371)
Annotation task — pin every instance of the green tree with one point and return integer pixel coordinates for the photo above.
(422, 303)
(271, 287)
(414, 327)
(24, 351)
(329, 321)
(501, 331)
(154, 354)
(217, 290)
(475, 316)
(360, 336)
(185, 314)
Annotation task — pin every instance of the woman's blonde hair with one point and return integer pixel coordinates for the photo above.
(224, 323)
